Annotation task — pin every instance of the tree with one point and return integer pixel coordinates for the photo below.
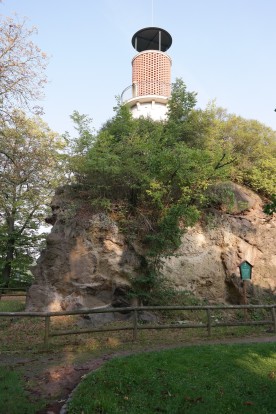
(153, 177)
(22, 66)
(77, 148)
(151, 180)
(147, 168)
(248, 147)
(181, 102)
(30, 168)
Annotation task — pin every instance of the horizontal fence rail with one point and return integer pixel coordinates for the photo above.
(12, 292)
(135, 326)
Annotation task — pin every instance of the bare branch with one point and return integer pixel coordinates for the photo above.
(222, 164)
(22, 66)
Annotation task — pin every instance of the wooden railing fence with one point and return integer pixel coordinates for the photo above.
(208, 324)
(12, 292)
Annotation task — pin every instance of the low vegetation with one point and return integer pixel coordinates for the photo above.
(206, 379)
(14, 399)
(11, 305)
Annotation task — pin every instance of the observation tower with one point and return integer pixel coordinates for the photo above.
(150, 90)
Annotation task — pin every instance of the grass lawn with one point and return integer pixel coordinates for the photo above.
(215, 379)
(13, 398)
(11, 305)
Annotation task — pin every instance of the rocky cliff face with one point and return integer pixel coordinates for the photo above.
(88, 263)
(207, 262)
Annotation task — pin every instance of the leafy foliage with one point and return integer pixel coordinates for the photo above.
(30, 169)
(270, 208)
(248, 147)
(28, 149)
(151, 288)
(77, 149)
(157, 179)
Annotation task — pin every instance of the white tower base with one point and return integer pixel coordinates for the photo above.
(149, 106)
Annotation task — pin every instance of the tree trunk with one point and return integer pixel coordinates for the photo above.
(7, 271)
(9, 256)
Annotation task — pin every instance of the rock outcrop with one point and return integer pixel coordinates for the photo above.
(208, 259)
(88, 263)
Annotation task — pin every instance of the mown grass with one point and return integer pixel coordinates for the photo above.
(13, 397)
(196, 380)
(11, 305)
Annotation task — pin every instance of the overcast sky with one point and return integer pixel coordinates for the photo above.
(223, 50)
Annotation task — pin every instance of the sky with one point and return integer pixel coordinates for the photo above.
(223, 50)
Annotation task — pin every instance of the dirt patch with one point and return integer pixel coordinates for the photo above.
(58, 382)
(52, 377)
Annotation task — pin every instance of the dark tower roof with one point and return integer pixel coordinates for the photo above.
(151, 38)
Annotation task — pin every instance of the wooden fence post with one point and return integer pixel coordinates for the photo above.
(208, 321)
(135, 321)
(273, 313)
(47, 329)
(245, 311)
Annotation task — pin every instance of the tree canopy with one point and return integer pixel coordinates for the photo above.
(30, 169)
(158, 172)
(249, 147)
(22, 67)
(29, 150)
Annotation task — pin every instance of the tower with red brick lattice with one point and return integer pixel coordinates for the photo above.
(151, 74)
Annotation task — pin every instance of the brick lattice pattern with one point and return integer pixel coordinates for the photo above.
(151, 73)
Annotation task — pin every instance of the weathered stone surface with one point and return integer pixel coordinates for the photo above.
(208, 259)
(88, 263)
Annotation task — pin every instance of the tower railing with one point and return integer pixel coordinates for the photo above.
(145, 88)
